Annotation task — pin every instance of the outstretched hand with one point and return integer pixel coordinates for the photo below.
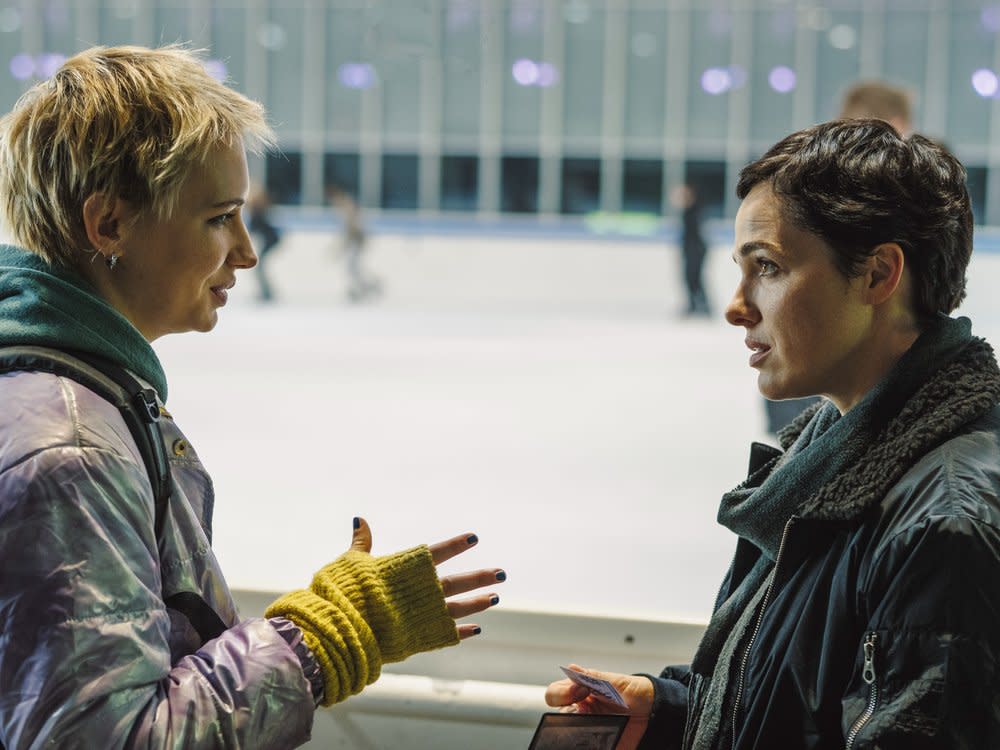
(460, 583)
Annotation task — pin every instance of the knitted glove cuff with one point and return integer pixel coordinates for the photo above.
(339, 638)
(398, 595)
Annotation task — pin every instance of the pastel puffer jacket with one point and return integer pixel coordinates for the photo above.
(90, 655)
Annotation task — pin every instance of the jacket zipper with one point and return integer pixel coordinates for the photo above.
(868, 675)
(756, 629)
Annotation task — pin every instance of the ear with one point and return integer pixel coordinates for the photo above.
(104, 219)
(885, 272)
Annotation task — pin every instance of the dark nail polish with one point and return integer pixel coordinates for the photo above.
(357, 522)
(477, 630)
(471, 539)
(494, 600)
(501, 576)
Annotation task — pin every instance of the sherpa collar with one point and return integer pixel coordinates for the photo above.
(836, 467)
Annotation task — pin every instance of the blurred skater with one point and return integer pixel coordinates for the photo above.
(265, 237)
(360, 283)
(693, 248)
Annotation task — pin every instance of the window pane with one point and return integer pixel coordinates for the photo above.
(905, 50)
(583, 78)
(522, 58)
(645, 91)
(976, 184)
(708, 98)
(519, 184)
(350, 72)
(772, 75)
(343, 171)
(459, 183)
(228, 42)
(643, 185)
(462, 45)
(838, 62)
(581, 186)
(968, 112)
(399, 181)
(402, 40)
(116, 22)
(708, 178)
(283, 44)
(284, 177)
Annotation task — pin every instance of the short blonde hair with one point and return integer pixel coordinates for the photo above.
(128, 122)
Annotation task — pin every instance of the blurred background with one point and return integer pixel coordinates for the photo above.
(479, 306)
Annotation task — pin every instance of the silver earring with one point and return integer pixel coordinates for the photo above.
(111, 261)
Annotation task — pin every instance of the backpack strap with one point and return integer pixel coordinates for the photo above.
(113, 383)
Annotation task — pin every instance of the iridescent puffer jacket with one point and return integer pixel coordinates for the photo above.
(90, 656)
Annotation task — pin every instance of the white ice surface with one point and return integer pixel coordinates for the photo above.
(542, 393)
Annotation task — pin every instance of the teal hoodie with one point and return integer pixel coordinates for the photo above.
(41, 305)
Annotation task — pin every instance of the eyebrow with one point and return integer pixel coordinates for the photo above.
(230, 202)
(748, 247)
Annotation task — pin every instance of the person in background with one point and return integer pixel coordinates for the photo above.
(265, 235)
(360, 284)
(123, 179)
(860, 608)
(693, 248)
(865, 99)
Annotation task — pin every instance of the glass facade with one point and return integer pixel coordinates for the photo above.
(547, 106)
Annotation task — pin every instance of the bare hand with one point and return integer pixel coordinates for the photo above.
(460, 583)
(637, 692)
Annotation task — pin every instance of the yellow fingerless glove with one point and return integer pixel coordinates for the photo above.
(363, 611)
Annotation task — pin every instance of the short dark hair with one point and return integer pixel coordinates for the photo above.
(858, 184)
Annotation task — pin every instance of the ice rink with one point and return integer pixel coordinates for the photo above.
(543, 393)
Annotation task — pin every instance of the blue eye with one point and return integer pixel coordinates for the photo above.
(766, 267)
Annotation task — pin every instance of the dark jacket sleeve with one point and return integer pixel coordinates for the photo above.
(932, 641)
(666, 722)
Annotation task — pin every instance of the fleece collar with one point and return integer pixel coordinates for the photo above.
(837, 467)
(41, 305)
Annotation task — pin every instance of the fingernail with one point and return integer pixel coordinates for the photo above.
(357, 522)
(494, 600)
(477, 630)
(501, 576)
(471, 539)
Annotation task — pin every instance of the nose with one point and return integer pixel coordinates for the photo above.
(741, 311)
(242, 254)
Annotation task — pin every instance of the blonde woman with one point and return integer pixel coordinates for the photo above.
(122, 181)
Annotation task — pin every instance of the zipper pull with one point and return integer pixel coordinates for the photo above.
(868, 672)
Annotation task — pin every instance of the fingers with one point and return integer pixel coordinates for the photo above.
(460, 608)
(455, 546)
(564, 693)
(467, 631)
(460, 583)
(362, 538)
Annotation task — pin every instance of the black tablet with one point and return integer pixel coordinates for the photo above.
(564, 731)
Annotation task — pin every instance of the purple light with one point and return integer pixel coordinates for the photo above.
(716, 81)
(22, 66)
(525, 72)
(217, 69)
(782, 79)
(990, 18)
(548, 75)
(46, 65)
(985, 82)
(356, 75)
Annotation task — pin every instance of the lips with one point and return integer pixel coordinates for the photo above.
(760, 351)
(222, 291)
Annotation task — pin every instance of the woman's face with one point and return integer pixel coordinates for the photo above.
(175, 274)
(809, 327)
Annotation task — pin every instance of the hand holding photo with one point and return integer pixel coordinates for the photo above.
(596, 685)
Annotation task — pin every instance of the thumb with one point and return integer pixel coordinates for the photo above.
(362, 538)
